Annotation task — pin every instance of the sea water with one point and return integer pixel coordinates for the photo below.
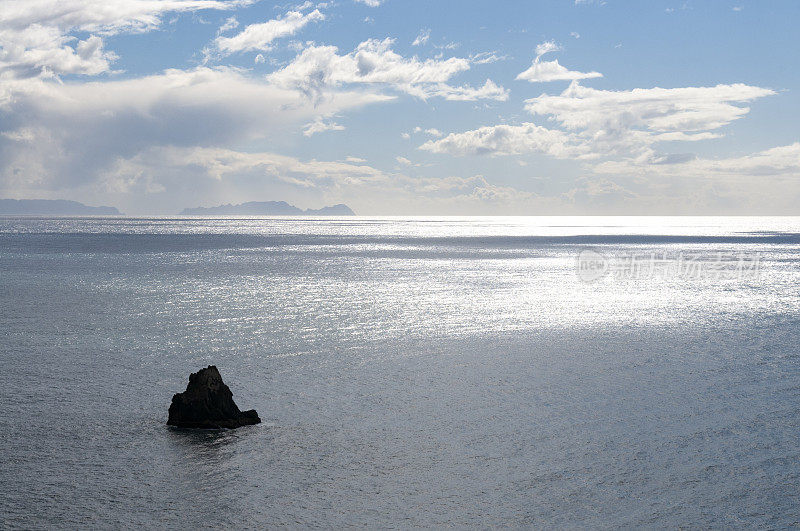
(408, 371)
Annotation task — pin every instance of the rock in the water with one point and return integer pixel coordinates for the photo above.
(208, 403)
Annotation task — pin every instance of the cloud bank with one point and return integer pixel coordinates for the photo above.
(217, 123)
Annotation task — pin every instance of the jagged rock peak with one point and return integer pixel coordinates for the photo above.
(208, 403)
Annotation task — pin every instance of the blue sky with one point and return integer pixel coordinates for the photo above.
(404, 106)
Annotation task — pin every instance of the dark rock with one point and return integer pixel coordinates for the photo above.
(207, 404)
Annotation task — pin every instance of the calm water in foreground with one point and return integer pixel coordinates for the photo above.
(408, 371)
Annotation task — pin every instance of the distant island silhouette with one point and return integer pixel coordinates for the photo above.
(267, 208)
(52, 207)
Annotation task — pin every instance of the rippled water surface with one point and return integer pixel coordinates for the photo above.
(409, 372)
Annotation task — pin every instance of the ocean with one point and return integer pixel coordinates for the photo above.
(567, 372)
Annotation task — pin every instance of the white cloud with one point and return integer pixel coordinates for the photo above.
(101, 16)
(544, 71)
(448, 46)
(500, 195)
(470, 196)
(547, 47)
(504, 140)
(370, 3)
(684, 109)
(259, 37)
(617, 133)
(374, 63)
(598, 124)
(761, 183)
(178, 135)
(79, 129)
(422, 38)
(484, 58)
(36, 35)
(41, 50)
(234, 176)
(489, 91)
(320, 125)
(782, 161)
(230, 23)
(221, 163)
(196, 174)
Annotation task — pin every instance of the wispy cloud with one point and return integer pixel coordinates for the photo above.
(504, 140)
(259, 37)
(320, 125)
(422, 38)
(601, 124)
(374, 63)
(544, 71)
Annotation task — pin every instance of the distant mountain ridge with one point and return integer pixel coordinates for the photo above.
(267, 208)
(52, 207)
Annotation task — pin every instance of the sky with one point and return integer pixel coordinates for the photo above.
(404, 107)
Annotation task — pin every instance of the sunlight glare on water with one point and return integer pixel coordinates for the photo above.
(421, 371)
